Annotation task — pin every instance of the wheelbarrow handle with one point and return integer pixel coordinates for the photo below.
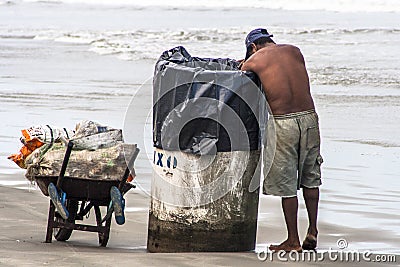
(64, 164)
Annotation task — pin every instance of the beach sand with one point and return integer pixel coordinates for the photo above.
(23, 216)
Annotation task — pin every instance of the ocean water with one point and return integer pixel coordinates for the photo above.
(354, 46)
(68, 60)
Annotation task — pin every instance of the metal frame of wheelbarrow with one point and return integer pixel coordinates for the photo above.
(86, 193)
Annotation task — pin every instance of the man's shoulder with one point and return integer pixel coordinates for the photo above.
(269, 54)
(283, 50)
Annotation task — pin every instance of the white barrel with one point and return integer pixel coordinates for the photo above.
(203, 203)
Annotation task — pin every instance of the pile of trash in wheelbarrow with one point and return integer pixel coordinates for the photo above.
(89, 167)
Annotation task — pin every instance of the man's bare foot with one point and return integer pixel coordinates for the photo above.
(286, 246)
(310, 242)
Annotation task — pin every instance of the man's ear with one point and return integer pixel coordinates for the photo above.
(253, 47)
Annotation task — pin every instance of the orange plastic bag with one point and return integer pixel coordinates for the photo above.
(29, 146)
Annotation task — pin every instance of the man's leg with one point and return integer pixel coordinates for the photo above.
(311, 198)
(290, 207)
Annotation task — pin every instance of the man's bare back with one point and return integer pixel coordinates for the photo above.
(282, 71)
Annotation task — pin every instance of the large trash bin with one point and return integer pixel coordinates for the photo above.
(206, 133)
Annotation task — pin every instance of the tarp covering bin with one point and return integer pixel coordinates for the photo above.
(207, 127)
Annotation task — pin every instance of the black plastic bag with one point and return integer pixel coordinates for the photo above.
(205, 105)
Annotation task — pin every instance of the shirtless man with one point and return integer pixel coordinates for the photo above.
(296, 163)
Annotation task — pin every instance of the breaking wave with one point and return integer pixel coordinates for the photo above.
(346, 61)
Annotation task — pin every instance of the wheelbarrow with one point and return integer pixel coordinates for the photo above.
(81, 196)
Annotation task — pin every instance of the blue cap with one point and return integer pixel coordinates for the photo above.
(256, 34)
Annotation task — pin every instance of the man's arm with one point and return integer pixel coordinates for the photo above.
(241, 61)
(248, 65)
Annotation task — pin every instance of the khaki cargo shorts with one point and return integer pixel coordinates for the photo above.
(297, 161)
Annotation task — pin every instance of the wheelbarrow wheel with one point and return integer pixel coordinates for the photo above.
(62, 234)
(105, 234)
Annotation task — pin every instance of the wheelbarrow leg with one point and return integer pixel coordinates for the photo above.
(50, 221)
